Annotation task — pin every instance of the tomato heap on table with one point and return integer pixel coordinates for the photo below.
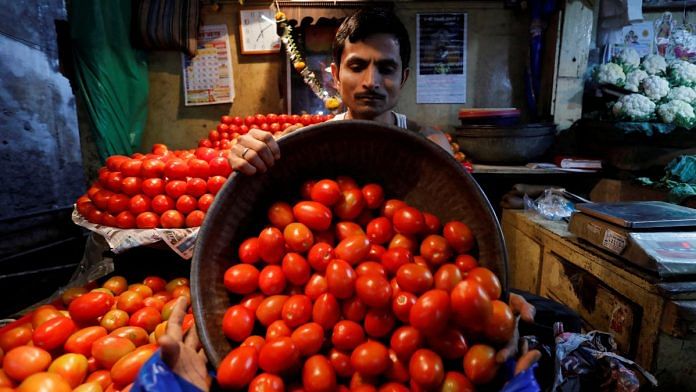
(168, 189)
(349, 290)
(98, 343)
(230, 128)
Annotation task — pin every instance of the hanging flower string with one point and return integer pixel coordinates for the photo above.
(285, 32)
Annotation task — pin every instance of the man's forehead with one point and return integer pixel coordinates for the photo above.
(377, 46)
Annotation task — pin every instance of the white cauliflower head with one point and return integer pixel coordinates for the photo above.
(628, 58)
(682, 73)
(634, 78)
(654, 64)
(655, 87)
(678, 112)
(686, 94)
(635, 107)
(611, 73)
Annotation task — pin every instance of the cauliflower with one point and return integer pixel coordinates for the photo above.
(611, 73)
(678, 112)
(629, 59)
(682, 73)
(635, 107)
(655, 87)
(634, 78)
(654, 64)
(686, 94)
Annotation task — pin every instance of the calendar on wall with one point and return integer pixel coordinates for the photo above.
(208, 76)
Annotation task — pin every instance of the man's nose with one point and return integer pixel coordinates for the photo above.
(372, 78)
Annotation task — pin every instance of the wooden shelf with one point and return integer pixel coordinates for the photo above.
(669, 5)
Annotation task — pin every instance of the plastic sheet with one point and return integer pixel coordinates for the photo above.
(156, 376)
(550, 205)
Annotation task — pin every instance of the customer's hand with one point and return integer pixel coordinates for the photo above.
(254, 152)
(184, 355)
(521, 309)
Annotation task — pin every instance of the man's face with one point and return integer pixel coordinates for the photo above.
(370, 76)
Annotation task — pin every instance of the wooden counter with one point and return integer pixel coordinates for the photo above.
(653, 323)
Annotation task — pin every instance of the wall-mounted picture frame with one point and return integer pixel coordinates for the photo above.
(257, 31)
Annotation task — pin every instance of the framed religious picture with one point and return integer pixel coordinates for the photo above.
(257, 31)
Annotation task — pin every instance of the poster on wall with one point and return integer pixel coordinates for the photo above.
(208, 76)
(441, 58)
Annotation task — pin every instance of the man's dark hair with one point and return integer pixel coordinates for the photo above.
(371, 21)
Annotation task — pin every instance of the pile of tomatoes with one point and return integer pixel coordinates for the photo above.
(230, 128)
(94, 339)
(168, 189)
(346, 290)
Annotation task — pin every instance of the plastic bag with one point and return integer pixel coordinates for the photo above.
(155, 375)
(523, 382)
(550, 205)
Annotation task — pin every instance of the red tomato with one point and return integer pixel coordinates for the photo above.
(17, 336)
(370, 267)
(318, 375)
(298, 237)
(456, 382)
(53, 333)
(116, 284)
(391, 206)
(113, 319)
(101, 377)
(271, 280)
(131, 185)
(447, 277)
(238, 368)
(146, 318)
(374, 291)
(393, 387)
(350, 205)
(101, 199)
(449, 344)
(353, 309)
(297, 310)
(278, 355)
(471, 306)
(340, 279)
(139, 204)
(280, 214)
(162, 203)
(295, 268)
(347, 335)
(265, 382)
(174, 189)
(23, 361)
(270, 309)
(172, 219)
(176, 169)
(152, 168)
(109, 349)
(199, 168)
(487, 280)
(435, 249)
(44, 381)
(431, 312)
(254, 341)
(90, 306)
(380, 230)
(405, 341)
(242, 279)
(414, 278)
(71, 367)
(373, 195)
(276, 330)
(340, 361)
(214, 135)
(432, 223)
(370, 358)
(249, 251)
(215, 183)
(155, 283)
(347, 229)
(113, 181)
(402, 304)
(426, 369)
(237, 323)
(326, 192)
(114, 162)
(195, 188)
(403, 241)
(271, 245)
(195, 218)
(118, 203)
(465, 263)
(314, 215)
(326, 311)
(409, 220)
(125, 220)
(459, 236)
(394, 258)
(316, 286)
(220, 166)
(479, 364)
(346, 183)
(308, 338)
(320, 255)
(379, 322)
(501, 326)
(129, 301)
(353, 249)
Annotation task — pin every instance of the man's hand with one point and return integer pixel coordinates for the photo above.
(254, 152)
(525, 311)
(184, 356)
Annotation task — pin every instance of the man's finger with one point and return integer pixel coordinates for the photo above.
(268, 139)
(255, 160)
(176, 318)
(242, 166)
(170, 350)
(527, 360)
(201, 353)
(192, 338)
(511, 348)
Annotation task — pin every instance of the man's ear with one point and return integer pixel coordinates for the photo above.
(404, 75)
(334, 73)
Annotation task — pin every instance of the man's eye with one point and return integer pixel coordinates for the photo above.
(387, 70)
(356, 67)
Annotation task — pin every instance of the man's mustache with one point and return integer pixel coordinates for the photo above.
(370, 95)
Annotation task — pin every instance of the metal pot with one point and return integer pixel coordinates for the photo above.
(505, 145)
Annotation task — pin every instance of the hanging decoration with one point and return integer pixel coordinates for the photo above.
(284, 30)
